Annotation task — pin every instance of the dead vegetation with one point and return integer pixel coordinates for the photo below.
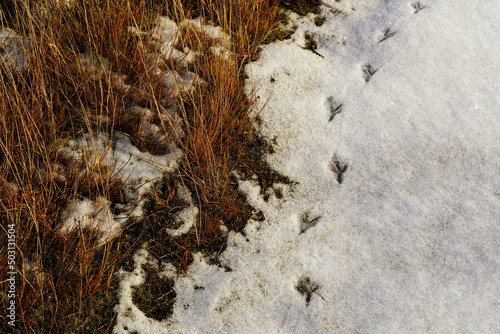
(66, 282)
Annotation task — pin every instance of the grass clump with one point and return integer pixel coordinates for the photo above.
(84, 70)
(52, 100)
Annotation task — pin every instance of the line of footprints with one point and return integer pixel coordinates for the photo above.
(368, 71)
(305, 287)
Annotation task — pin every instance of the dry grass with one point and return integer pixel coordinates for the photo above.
(64, 280)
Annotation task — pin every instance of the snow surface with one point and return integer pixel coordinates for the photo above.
(391, 129)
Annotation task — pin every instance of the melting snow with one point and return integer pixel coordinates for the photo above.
(138, 170)
(387, 117)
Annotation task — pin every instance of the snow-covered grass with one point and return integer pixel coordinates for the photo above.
(64, 155)
(380, 119)
(119, 127)
(385, 113)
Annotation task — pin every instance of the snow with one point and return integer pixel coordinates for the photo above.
(187, 217)
(127, 281)
(393, 225)
(386, 117)
(13, 49)
(139, 171)
(166, 33)
(89, 214)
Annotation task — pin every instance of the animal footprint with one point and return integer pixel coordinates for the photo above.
(335, 107)
(388, 33)
(306, 288)
(311, 45)
(417, 6)
(306, 222)
(368, 72)
(339, 169)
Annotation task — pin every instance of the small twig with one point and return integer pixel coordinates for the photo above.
(311, 45)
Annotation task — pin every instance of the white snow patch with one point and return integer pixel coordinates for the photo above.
(89, 214)
(138, 170)
(186, 216)
(393, 139)
(210, 30)
(167, 33)
(129, 315)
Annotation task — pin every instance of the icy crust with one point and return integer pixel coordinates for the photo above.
(393, 138)
(138, 170)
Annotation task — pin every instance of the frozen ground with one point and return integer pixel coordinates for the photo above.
(387, 115)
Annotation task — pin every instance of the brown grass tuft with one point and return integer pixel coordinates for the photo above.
(65, 282)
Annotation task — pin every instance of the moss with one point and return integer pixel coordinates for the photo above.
(256, 164)
(156, 296)
(301, 7)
